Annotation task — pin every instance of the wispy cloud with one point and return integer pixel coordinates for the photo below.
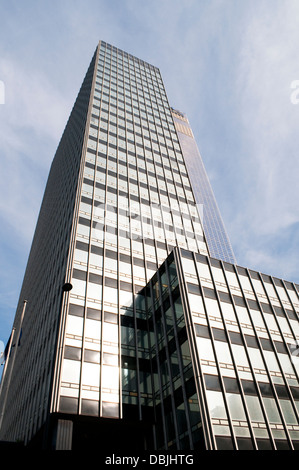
(32, 119)
(268, 63)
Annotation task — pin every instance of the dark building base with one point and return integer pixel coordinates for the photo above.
(85, 433)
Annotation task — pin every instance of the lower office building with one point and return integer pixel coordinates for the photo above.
(223, 352)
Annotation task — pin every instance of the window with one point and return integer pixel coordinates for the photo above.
(205, 349)
(110, 410)
(235, 405)
(216, 404)
(212, 382)
(89, 407)
(254, 408)
(271, 409)
(73, 353)
(202, 331)
(71, 371)
(90, 374)
(92, 356)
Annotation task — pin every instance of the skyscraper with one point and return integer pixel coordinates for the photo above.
(100, 351)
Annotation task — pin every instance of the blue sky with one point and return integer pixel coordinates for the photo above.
(228, 64)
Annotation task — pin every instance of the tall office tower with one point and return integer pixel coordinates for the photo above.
(128, 335)
(118, 199)
(216, 236)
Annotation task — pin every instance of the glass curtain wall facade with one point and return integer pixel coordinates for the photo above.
(136, 204)
(215, 232)
(128, 202)
(239, 330)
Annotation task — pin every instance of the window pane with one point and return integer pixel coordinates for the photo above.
(288, 412)
(70, 371)
(223, 352)
(254, 408)
(216, 404)
(235, 406)
(205, 350)
(110, 377)
(90, 374)
(271, 410)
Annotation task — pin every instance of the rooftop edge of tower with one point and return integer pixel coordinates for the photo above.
(127, 54)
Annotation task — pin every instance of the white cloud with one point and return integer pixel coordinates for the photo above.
(270, 122)
(32, 120)
(31, 103)
(256, 135)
